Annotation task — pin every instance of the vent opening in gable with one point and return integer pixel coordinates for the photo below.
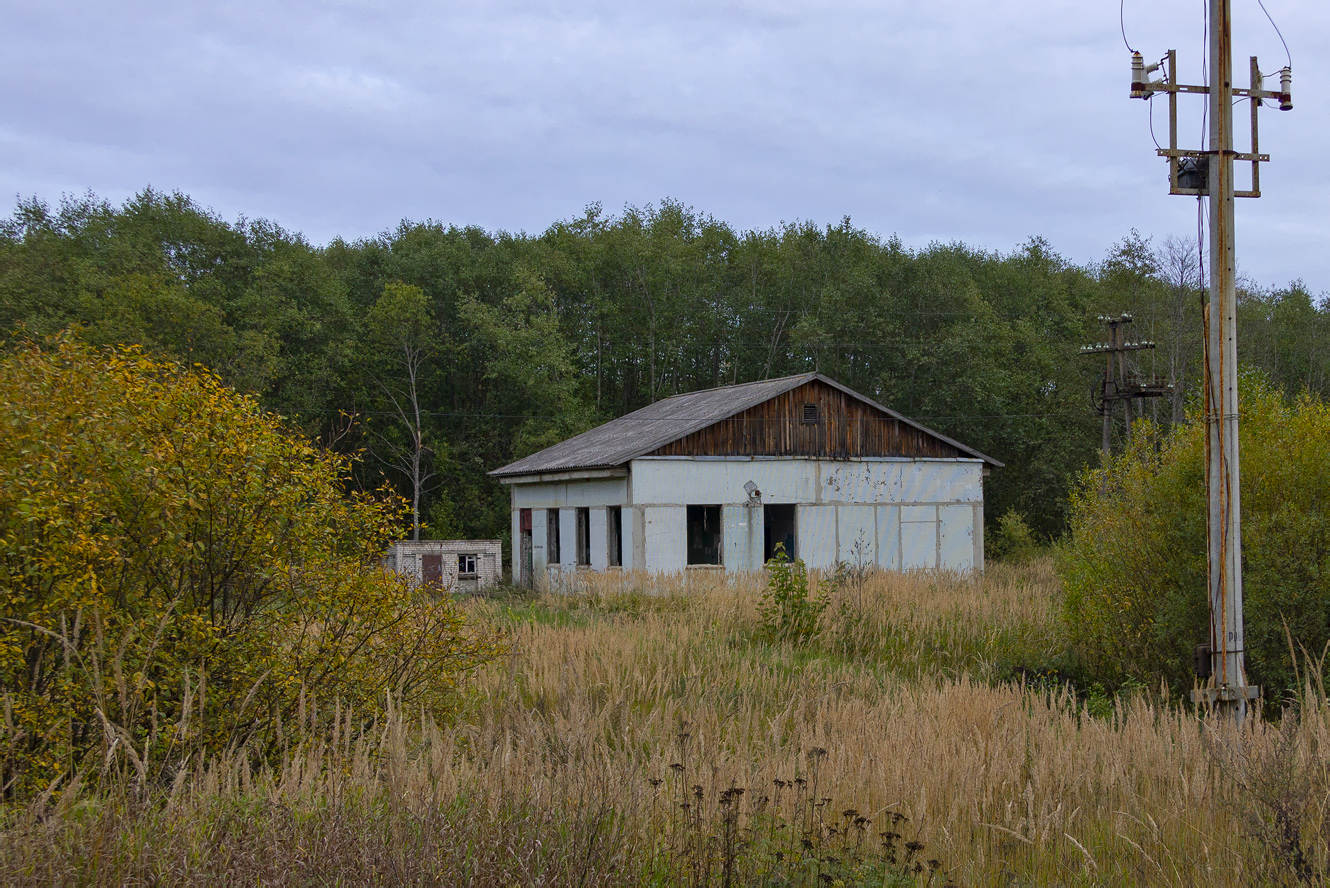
(810, 413)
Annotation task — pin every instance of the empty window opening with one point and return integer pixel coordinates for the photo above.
(779, 525)
(552, 536)
(704, 537)
(614, 532)
(810, 413)
(584, 537)
(466, 565)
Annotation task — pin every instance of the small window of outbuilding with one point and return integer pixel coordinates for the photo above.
(704, 537)
(810, 414)
(466, 565)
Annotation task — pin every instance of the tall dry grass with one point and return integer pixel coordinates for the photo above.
(607, 747)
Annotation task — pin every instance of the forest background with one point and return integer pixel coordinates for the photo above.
(440, 353)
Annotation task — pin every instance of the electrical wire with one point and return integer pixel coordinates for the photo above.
(1122, 23)
(1200, 250)
(1205, 69)
(1288, 55)
(1151, 102)
(1050, 414)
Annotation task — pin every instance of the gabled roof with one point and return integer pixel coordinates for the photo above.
(642, 431)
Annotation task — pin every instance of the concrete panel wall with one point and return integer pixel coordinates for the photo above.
(637, 542)
(902, 481)
(665, 536)
(909, 514)
(977, 522)
(857, 526)
(956, 537)
(516, 553)
(889, 537)
(742, 536)
(720, 482)
(639, 537)
(600, 538)
(919, 537)
(816, 535)
(571, 494)
(568, 539)
(700, 481)
(539, 535)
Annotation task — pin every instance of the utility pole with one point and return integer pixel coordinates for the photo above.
(1210, 173)
(1118, 383)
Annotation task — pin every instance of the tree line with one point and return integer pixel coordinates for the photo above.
(440, 352)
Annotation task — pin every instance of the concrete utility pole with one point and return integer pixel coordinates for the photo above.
(1121, 385)
(1210, 173)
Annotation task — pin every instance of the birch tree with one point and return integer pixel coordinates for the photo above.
(399, 328)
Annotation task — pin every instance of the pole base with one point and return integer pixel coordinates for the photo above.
(1225, 694)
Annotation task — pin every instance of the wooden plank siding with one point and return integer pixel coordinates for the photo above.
(846, 427)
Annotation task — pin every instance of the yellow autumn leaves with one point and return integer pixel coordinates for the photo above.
(180, 573)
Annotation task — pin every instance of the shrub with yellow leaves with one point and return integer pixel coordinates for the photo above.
(180, 573)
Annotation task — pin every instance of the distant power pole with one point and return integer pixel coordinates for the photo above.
(1209, 173)
(1118, 383)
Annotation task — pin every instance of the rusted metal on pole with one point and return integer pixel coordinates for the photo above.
(1210, 173)
(1224, 526)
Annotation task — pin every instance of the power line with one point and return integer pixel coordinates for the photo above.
(1287, 55)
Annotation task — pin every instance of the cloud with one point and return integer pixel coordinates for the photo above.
(987, 122)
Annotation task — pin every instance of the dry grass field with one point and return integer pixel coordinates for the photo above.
(646, 732)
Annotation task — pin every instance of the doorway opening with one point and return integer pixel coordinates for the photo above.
(524, 560)
(779, 524)
(552, 537)
(584, 537)
(704, 537)
(615, 530)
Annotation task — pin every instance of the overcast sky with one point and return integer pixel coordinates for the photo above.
(983, 121)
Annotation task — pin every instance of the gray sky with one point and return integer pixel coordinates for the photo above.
(984, 121)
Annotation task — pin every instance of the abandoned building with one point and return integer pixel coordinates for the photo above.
(717, 478)
(451, 565)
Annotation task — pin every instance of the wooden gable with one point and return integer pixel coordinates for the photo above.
(814, 419)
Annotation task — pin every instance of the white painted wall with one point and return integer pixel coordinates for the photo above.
(636, 542)
(742, 537)
(571, 494)
(539, 536)
(568, 540)
(956, 537)
(918, 537)
(889, 537)
(665, 538)
(910, 514)
(600, 538)
(516, 572)
(679, 481)
(856, 524)
(815, 535)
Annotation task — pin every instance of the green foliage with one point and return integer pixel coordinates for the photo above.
(532, 338)
(179, 573)
(1011, 540)
(790, 612)
(1134, 566)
